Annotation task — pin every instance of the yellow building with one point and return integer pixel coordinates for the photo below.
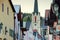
(6, 20)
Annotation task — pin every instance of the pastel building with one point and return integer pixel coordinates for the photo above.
(6, 20)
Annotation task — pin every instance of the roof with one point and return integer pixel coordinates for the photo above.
(11, 5)
(17, 8)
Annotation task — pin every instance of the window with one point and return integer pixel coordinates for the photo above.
(0, 27)
(8, 10)
(0, 38)
(35, 19)
(51, 30)
(58, 16)
(34, 33)
(33, 13)
(44, 31)
(11, 32)
(6, 30)
(18, 24)
(35, 24)
(4, 39)
(2, 7)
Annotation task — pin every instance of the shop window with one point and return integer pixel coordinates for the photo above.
(11, 32)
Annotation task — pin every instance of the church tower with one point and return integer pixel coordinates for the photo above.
(36, 18)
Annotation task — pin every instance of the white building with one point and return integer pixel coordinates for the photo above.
(36, 18)
(17, 23)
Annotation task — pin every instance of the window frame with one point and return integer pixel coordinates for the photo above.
(7, 10)
(2, 7)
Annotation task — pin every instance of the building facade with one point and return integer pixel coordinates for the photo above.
(17, 23)
(6, 20)
(58, 16)
(20, 24)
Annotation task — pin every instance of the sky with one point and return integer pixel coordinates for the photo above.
(17, 8)
(27, 6)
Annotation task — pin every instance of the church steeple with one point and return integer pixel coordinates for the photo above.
(36, 6)
(36, 18)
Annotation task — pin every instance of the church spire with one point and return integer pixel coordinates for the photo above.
(35, 6)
